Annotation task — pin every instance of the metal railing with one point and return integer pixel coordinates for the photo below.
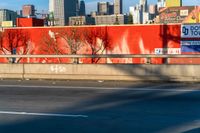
(107, 56)
(104, 56)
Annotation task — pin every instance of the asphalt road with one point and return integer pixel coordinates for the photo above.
(99, 107)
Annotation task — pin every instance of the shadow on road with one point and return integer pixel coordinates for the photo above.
(121, 111)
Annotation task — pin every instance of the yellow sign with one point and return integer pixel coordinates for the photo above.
(173, 3)
(7, 23)
(194, 16)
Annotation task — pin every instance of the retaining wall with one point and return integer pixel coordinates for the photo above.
(101, 72)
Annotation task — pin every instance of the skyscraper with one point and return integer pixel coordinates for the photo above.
(82, 8)
(111, 8)
(103, 8)
(28, 10)
(77, 7)
(144, 6)
(62, 10)
(118, 7)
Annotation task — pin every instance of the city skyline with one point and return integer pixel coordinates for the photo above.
(91, 5)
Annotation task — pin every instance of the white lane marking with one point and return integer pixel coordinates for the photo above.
(42, 114)
(150, 88)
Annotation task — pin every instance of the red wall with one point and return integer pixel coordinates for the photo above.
(140, 39)
(29, 22)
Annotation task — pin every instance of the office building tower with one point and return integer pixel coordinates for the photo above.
(118, 7)
(8, 15)
(28, 11)
(137, 14)
(111, 8)
(103, 8)
(77, 7)
(61, 10)
(144, 6)
(82, 8)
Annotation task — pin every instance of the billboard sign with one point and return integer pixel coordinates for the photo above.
(184, 14)
(190, 31)
(190, 46)
(173, 3)
(7, 23)
(190, 34)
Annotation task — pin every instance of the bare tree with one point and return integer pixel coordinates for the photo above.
(50, 45)
(12, 40)
(73, 39)
(98, 40)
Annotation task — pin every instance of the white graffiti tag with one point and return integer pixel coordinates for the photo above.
(57, 69)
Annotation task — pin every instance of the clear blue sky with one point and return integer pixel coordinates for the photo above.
(91, 4)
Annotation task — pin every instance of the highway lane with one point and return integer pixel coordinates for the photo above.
(99, 106)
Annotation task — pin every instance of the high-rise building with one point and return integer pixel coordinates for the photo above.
(77, 7)
(8, 15)
(82, 8)
(61, 10)
(118, 7)
(103, 8)
(137, 16)
(111, 8)
(28, 11)
(144, 6)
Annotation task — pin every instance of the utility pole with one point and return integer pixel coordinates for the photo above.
(197, 10)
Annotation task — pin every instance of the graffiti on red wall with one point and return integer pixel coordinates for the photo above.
(140, 39)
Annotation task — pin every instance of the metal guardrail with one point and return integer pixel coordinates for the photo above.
(104, 56)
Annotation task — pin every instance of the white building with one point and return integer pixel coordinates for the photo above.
(131, 10)
(143, 5)
(118, 4)
(137, 14)
(62, 10)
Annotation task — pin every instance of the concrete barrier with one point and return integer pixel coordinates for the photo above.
(101, 72)
(11, 71)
